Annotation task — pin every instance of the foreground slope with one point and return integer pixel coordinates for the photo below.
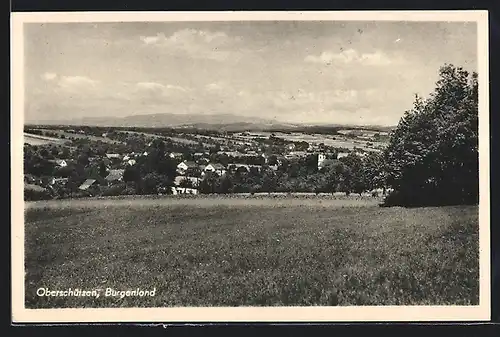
(203, 253)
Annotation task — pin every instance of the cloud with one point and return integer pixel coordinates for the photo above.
(69, 82)
(214, 86)
(150, 93)
(351, 56)
(152, 39)
(150, 86)
(194, 43)
(49, 76)
(155, 86)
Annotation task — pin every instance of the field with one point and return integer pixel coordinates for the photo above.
(174, 139)
(82, 136)
(255, 251)
(335, 141)
(41, 140)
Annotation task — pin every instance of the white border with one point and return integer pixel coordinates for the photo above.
(245, 314)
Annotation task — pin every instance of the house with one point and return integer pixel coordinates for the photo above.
(185, 166)
(115, 175)
(203, 162)
(59, 162)
(113, 156)
(86, 184)
(321, 159)
(58, 181)
(126, 158)
(198, 155)
(104, 135)
(239, 167)
(298, 154)
(217, 168)
(131, 162)
(231, 153)
(243, 167)
(183, 190)
(195, 181)
(176, 155)
(361, 154)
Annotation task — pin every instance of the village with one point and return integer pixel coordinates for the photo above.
(85, 162)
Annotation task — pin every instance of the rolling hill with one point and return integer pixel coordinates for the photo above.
(223, 122)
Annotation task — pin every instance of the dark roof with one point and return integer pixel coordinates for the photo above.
(240, 166)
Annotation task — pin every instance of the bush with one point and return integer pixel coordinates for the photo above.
(114, 190)
(32, 195)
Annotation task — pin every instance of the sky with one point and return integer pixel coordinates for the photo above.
(314, 72)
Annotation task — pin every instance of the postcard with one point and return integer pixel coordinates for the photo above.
(250, 166)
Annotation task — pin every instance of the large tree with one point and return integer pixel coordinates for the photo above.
(432, 157)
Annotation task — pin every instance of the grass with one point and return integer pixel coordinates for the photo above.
(41, 140)
(228, 253)
(68, 135)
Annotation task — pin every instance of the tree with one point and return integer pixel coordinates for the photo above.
(269, 180)
(83, 159)
(374, 171)
(224, 184)
(131, 174)
(103, 171)
(150, 183)
(209, 183)
(432, 157)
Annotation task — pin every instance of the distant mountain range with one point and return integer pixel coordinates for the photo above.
(223, 122)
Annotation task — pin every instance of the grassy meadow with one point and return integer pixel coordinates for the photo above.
(255, 252)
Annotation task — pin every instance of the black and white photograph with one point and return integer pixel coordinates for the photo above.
(269, 166)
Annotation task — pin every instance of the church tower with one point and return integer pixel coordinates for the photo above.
(321, 159)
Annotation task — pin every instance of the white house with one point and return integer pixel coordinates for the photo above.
(183, 190)
(217, 168)
(175, 155)
(321, 159)
(112, 156)
(59, 162)
(183, 167)
(180, 179)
